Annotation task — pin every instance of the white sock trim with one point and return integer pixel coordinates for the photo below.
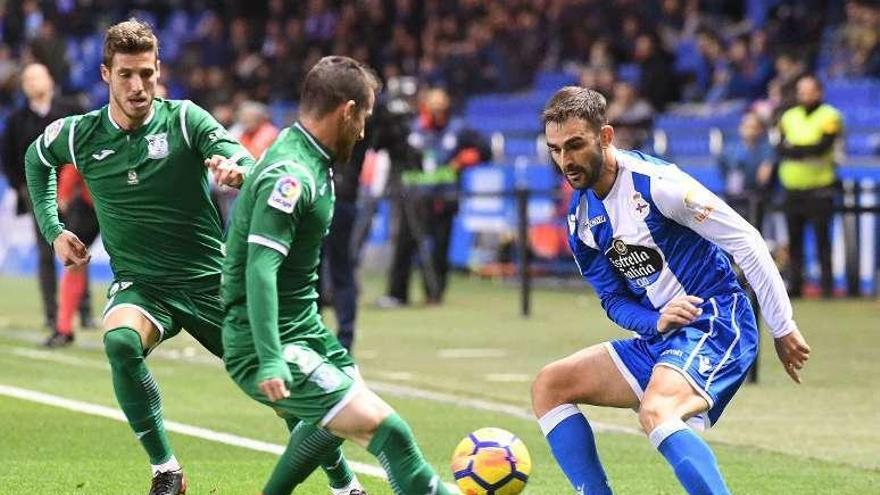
(663, 431)
(557, 415)
(345, 490)
(169, 465)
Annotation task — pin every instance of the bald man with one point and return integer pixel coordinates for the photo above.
(23, 126)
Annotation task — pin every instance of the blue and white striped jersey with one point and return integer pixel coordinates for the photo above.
(659, 234)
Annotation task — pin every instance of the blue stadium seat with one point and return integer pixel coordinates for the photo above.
(863, 144)
(630, 73)
(551, 81)
(282, 113)
(520, 147)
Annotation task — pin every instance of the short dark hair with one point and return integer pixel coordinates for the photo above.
(577, 102)
(335, 80)
(815, 79)
(130, 37)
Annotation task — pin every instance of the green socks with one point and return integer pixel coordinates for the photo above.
(339, 475)
(308, 447)
(137, 392)
(408, 473)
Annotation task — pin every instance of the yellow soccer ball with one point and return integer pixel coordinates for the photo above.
(491, 461)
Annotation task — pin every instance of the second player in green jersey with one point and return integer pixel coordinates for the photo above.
(144, 161)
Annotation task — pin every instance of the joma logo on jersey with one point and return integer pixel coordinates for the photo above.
(598, 219)
(157, 145)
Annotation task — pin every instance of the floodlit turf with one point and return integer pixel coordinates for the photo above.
(775, 438)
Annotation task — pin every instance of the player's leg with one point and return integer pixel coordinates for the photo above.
(669, 400)
(589, 376)
(133, 324)
(370, 422)
(699, 369)
(202, 315)
(308, 447)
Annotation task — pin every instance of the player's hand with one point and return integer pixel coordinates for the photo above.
(225, 173)
(794, 352)
(679, 312)
(275, 389)
(70, 250)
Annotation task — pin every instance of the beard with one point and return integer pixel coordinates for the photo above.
(344, 153)
(590, 172)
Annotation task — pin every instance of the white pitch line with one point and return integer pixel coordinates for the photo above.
(404, 391)
(508, 377)
(480, 404)
(471, 353)
(54, 356)
(174, 426)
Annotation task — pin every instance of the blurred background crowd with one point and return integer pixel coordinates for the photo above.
(703, 83)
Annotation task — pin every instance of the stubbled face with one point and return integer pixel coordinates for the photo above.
(132, 79)
(352, 129)
(577, 150)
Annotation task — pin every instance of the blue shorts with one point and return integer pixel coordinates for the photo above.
(714, 354)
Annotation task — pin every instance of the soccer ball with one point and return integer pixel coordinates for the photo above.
(491, 461)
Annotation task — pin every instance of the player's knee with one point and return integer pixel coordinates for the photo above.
(654, 412)
(122, 343)
(548, 390)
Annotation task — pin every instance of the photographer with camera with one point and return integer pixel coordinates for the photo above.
(438, 147)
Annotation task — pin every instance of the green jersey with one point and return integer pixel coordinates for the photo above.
(274, 245)
(150, 188)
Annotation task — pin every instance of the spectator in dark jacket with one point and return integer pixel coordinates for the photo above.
(22, 127)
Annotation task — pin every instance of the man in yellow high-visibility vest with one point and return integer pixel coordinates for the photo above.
(808, 172)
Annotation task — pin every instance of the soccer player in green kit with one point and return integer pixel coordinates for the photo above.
(144, 161)
(277, 348)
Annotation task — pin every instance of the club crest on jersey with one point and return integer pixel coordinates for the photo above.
(133, 177)
(157, 145)
(285, 194)
(641, 208)
(52, 131)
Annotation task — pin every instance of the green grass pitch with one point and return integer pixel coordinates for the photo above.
(775, 438)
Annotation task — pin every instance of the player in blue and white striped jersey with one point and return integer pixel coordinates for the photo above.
(652, 241)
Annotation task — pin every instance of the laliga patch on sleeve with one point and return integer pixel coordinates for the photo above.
(699, 201)
(284, 195)
(52, 131)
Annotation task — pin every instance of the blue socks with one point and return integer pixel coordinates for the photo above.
(690, 457)
(571, 440)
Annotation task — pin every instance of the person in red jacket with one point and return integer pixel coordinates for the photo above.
(78, 212)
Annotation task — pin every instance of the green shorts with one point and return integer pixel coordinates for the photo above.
(198, 311)
(324, 377)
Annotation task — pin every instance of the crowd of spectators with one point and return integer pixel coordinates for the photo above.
(224, 52)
